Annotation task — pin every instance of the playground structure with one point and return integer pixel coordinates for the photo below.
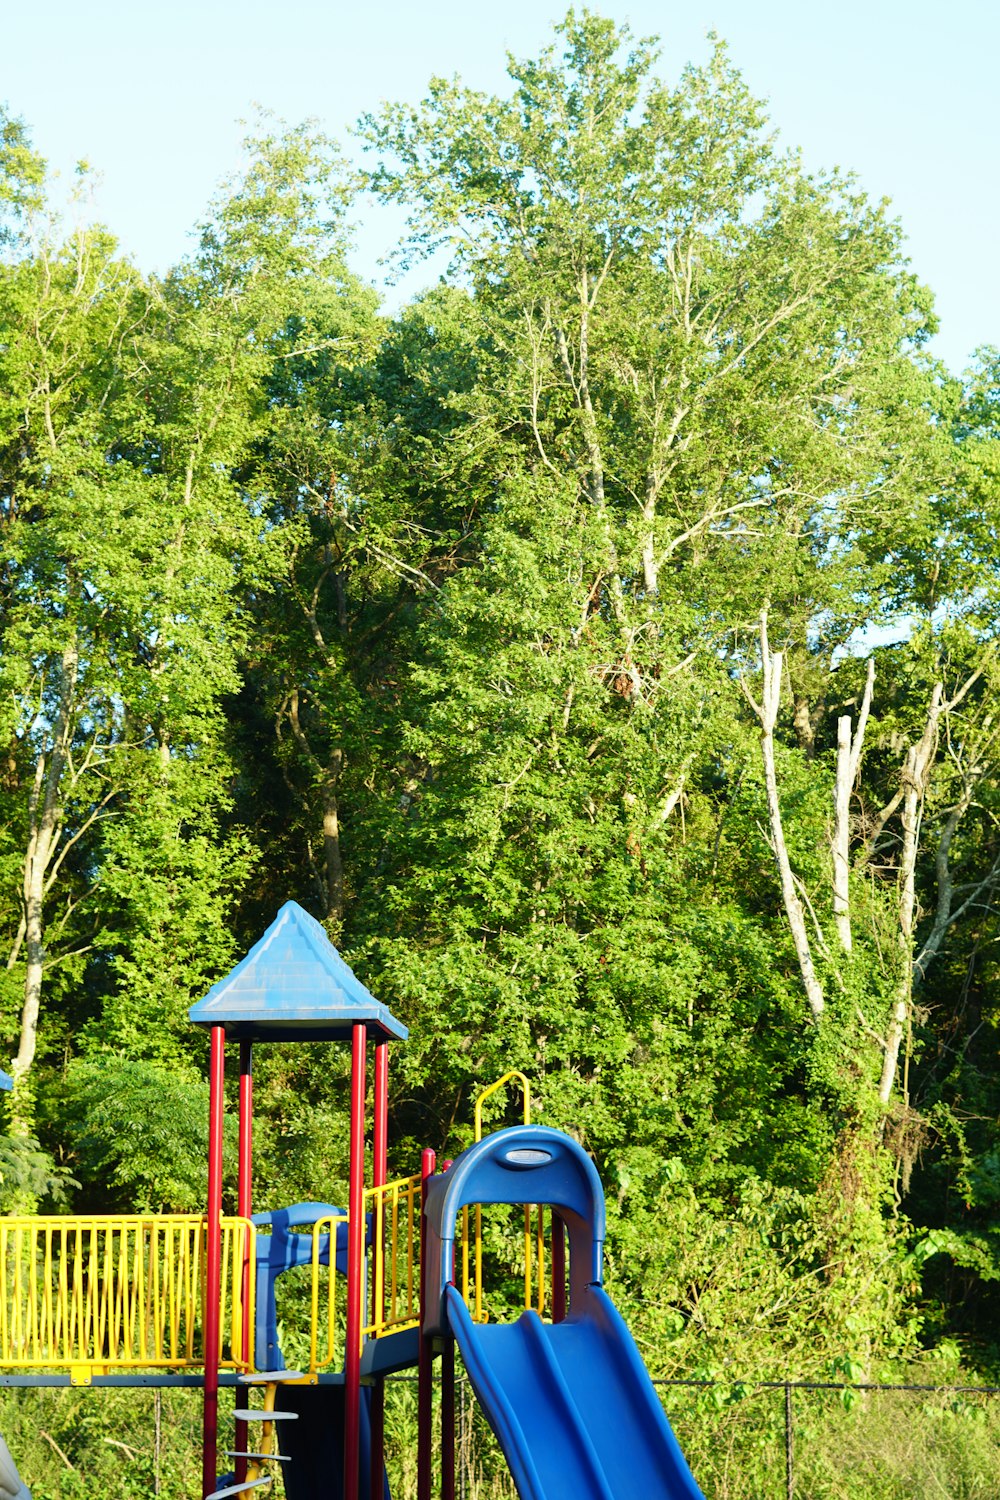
(393, 1282)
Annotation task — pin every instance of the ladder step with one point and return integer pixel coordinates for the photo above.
(271, 1458)
(237, 1489)
(243, 1415)
(271, 1377)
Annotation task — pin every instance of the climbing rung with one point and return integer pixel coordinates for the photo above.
(271, 1377)
(237, 1489)
(277, 1458)
(265, 1416)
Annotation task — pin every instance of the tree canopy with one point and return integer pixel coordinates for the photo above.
(602, 647)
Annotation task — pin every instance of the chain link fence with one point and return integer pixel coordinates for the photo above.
(826, 1440)
(744, 1440)
(778, 1440)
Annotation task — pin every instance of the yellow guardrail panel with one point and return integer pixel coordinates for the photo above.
(118, 1292)
(323, 1342)
(396, 1210)
(534, 1240)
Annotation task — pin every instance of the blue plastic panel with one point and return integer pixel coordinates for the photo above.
(524, 1164)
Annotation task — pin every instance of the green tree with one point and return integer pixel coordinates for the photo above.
(700, 391)
(129, 412)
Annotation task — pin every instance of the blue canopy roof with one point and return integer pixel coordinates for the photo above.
(6, 1082)
(293, 986)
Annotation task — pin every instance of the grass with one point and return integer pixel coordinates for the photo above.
(89, 1444)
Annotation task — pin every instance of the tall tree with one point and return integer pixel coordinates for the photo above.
(130, 409)
(700, 375)
(700, 353)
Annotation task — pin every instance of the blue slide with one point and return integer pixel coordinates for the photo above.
(571, 1403)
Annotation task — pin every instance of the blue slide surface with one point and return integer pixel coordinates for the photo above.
(572, 1405)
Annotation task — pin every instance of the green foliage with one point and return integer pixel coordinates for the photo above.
(140, 1135)
(73, 1444)
(28, 1174)
(446, 625)
(22, 175)
(167, 880)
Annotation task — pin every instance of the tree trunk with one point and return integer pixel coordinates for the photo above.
(841, 834)
(848, 761)
(331, 841)
(767, 713)
(328, 778)
(915, 777)
(44, 815)
(650, 577)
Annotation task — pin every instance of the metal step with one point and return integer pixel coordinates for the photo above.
(245, 1415)
(237, 1489)
(270, 1377)
(276, 1458)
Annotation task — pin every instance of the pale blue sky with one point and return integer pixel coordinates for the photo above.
(903, 93)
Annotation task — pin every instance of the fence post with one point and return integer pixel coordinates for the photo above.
(789, 1445)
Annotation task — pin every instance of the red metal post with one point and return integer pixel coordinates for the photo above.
(213, 1260)
(355, 1267)
(380, 1153)
(244, 1207)
(380, 1173)
(244, 1190)
(558, 1268)
(448, 1409)
(448, 1419)
(424, 1366)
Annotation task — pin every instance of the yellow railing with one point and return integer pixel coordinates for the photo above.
(535, 1289)
(327, 1317)
(395, 1289)
(110, 1292)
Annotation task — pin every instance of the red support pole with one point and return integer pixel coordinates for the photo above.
(426, 1354)
(380, 1171)
(558, 1268)
(244, 1207)
(244, 1191)
(213, 1260)
(448, 1419)
(380, 1174)
(355, 1268)
(448, 1410)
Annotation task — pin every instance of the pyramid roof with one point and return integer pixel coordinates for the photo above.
(293, 986)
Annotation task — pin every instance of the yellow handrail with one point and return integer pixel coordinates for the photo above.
(396, 1210)
(117, 1292)
(478, 1314)
(493, 1088)
(327, 1225)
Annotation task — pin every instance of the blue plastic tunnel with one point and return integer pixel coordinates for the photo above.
(524, 1164)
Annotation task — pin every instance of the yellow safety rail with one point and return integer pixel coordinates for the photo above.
(108, 1292)
(534, 1238)
(327, 1352)
(396, 1210)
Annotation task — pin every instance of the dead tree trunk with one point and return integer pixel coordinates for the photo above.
(767, 713)
(848, 761)
(915, 779)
